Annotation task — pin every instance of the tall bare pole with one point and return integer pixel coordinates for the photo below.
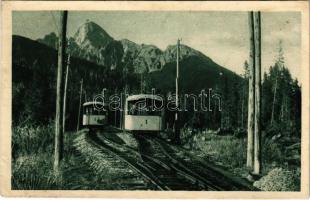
(177, 81)
(115, 111)
(65, 95)
(274, 100)
(79, 114)
(121, 112)
(251, 107)
(280, 62)
(257, 119)
(58, 151)
(177, 130)
(124, 106)
(141, 83)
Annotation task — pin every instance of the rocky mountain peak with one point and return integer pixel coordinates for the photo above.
(93, 43)
(91, 34)
(50, 40)
(185, 51)
(130, 46)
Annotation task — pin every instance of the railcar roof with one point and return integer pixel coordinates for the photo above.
(144, 96)
(90, 103)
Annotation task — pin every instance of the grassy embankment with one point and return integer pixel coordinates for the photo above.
(81, 167)
(230, 152)
(32, 160)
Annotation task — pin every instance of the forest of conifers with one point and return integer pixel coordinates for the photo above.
(34, 75)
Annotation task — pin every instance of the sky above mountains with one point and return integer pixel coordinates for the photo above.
(223, 36)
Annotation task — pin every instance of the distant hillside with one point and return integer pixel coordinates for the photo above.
(34, 68)
(103, 62)
(50, 40)
(196, 73)
(93, 43)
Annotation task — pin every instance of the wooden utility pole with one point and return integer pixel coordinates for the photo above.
(280, 63)
(257, 119)
(177, 82)
(242, 108)
(65, 95)
(79, 114)
(274, 100)
(121, 112)
(176, 123)
(142, 87)
(58, 151)
(251, 108)
(115, 91)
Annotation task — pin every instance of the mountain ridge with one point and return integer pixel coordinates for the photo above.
(93, 43)
(35, 66)
(91, 34)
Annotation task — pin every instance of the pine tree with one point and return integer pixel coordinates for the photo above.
(59, 93)
(251, 111)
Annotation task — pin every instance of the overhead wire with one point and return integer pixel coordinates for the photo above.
(54, 20)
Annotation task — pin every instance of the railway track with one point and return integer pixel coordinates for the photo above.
(170, 173)
(157, 166)
(130, 159)
(156, 161)
(160, 150)
(209, 173)
(163, 176)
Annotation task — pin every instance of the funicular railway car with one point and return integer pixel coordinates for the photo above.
(94, 114)
(142, 113)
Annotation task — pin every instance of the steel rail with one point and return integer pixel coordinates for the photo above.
(149, 160)
(116, 153)
(237, 183)
(183, 170)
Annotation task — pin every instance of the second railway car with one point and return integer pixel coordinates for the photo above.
(94, 114)
(140, 114)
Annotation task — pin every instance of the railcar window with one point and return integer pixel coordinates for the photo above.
(99, 112)
(144, 107)
(91, 110)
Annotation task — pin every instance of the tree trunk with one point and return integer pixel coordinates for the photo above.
(65, 95)
(176, 124)
(257, 124)
(274, 101)
(251, 108)
(121, 111)
(79, 114)
(242, 105)
(124, 107)
(58, 151)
